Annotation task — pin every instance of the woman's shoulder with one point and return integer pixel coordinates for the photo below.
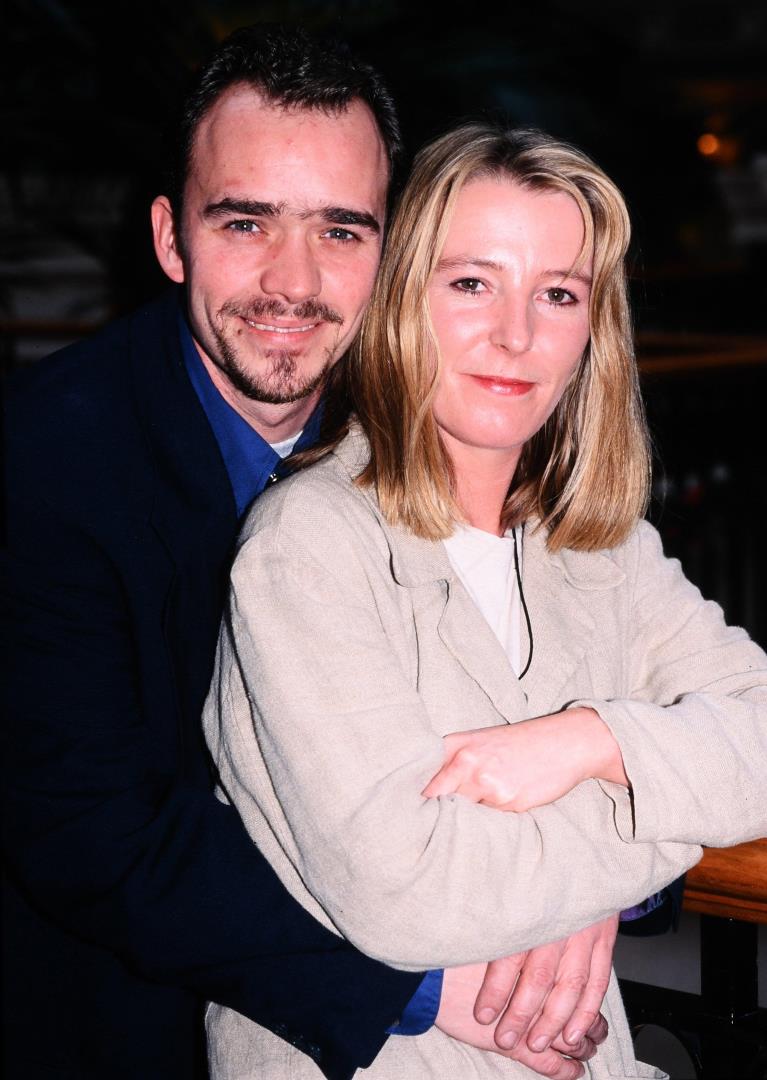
(609, 567)
(643, 545)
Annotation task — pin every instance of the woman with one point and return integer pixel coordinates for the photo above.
(471, 556)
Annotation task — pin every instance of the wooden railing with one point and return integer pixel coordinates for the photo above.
(730, 883)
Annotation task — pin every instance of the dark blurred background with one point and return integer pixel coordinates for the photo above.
(670, 97)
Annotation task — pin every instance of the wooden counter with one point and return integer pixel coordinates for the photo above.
(730, 882)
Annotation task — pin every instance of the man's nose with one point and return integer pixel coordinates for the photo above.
(291, 272)
(514, 325)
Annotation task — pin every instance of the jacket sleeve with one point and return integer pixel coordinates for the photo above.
(317, 728)
(693, 730)
(105, 836)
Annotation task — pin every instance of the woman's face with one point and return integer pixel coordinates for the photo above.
(510, 314)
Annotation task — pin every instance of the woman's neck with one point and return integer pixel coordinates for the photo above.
(482, 479)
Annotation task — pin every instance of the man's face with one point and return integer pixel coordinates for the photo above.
(280, 241)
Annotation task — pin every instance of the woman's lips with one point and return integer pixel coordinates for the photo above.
(498, 384)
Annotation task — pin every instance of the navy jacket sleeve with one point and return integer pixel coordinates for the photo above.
(111, 828)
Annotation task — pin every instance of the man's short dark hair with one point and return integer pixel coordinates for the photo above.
(289, 67)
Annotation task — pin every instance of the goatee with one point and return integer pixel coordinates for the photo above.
(282, 382)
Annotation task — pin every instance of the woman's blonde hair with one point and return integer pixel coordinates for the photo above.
(585, 475)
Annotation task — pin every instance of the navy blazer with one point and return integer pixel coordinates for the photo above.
(135, 893)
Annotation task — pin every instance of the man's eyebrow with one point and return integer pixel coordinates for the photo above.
(248, 207)
(341, 215)
(333, 215)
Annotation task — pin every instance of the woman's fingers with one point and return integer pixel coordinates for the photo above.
(457, 774)
(446, 782)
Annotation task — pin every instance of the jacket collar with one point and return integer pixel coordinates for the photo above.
(557, 588)
(414, 561)
(192, 501)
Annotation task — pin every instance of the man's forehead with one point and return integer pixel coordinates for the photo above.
(277, 145)
(245, 110)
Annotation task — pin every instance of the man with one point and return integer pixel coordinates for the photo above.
(135, 893)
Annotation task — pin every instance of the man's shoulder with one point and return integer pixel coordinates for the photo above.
(73, 420)
(80, 376)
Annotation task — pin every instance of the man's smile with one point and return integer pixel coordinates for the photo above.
(273, 329)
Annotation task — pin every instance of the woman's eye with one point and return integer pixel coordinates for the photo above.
(468, 285)
(559, 296)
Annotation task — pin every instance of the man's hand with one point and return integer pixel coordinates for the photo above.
(459, 991)
(528, 764)
(551, 994)
(548, 1000)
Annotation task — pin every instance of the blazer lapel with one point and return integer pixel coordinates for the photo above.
(192, 513)
(193, 501)
(466, 634)
(557, 589)
(462, 628)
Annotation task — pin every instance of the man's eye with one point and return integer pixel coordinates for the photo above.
(468, 285)
(344, 235)
(243, 227)
(559, 296)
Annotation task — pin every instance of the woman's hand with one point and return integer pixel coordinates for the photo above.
(520, 766)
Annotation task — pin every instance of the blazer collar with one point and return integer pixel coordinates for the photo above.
(414, 561)
(418, 561)
(557, 588)
(193, 501)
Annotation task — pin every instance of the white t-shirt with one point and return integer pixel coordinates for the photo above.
(485, 564)
(285, 447)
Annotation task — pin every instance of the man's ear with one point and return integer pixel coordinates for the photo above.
(166, 245)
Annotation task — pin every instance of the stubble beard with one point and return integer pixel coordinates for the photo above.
(283, 382)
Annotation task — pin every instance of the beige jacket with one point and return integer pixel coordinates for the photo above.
(351, 647)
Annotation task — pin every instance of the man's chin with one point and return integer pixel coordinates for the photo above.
(272, 376)
(281, 397)
(276, 391)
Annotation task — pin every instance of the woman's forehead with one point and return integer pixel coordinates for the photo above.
(498, 219)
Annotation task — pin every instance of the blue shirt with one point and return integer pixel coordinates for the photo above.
(250, 461)
(252, 465)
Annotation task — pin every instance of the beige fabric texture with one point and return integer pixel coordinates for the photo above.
(351, 647)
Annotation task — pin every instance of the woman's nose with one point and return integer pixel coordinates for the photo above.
(513, 327)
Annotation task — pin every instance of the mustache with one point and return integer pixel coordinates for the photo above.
(255, 310)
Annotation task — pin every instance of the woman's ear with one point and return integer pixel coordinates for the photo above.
(165, 236)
